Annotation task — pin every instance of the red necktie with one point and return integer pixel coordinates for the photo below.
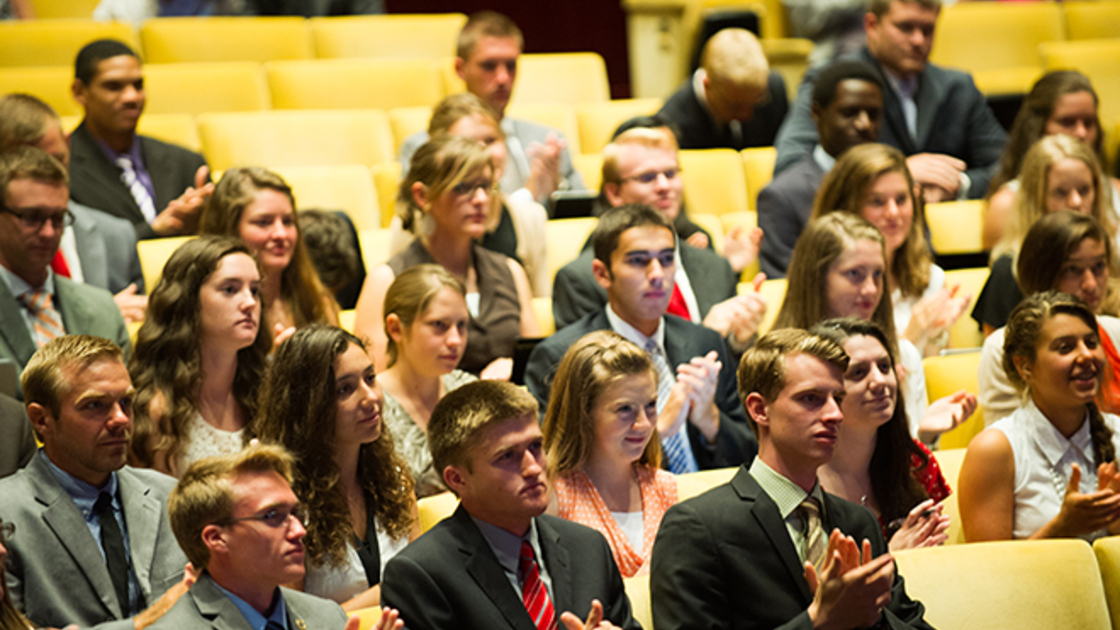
(533, 591)
(58, 264)
(677, 305)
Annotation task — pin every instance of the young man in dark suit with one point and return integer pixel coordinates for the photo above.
(699, 415)
(498, 561)
(757, 552)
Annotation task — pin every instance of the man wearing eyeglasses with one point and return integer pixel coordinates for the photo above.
(36, 304)
(95, 545)
(241, 525)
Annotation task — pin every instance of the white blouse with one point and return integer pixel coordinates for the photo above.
(349, 580)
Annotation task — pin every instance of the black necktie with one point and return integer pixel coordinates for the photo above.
(112, 542)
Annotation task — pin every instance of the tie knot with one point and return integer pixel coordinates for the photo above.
(125, 162)
(36, 300)
(652, 347)
(104, 503)
(811, 507)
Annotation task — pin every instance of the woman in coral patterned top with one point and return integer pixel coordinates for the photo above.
(604, 456)
(876, 463)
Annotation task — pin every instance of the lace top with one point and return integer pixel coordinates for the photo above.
(205, 440)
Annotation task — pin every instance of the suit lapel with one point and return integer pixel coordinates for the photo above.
(766, 514)
(215, 607)
(163, 177)
(483, 567)
(142, 513)
(64, 519)
(559, 567)
(893, 118)
(89, 164)
(76, 315)
(676, 350)
(930, 95)
(91, 249)
(15, 332)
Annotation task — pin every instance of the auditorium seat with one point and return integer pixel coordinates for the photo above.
(997, 42)
(296, 138)
(375, 247)
(177, 129)
(965, 333)
(199, 88)
(387, 181)
(1022, 584)
(1097, 59)
(597, 121)
(401, 35)
(50, 84)
(713, 181)
(789, 57)
(948, 374)
(355, 83)
(758, 169)
(590, 166)
(559, 116)
(346, 187)
(637, 591)
(949, 461)
(565, 239)
(153, 254)
(956, 227)
(1107, 551)
(1092, 20)
(435, 508)
(406, 121)
(64, 9)
(346, 319)
(368, 617)
(712, 225)
(561, 78)
(55, 42)
(774, 291)
(542, 306)
(260, 39)
(693, 484)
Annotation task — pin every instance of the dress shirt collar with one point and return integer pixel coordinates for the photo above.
(905, 88)
(133, 152)
(1053, 444)
(823, 159)
(257, 621)
(83, 494)
(783, 492)
(507, 546)
(623, 328)
(18, 286)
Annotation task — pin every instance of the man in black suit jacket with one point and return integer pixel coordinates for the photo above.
(732, 101)
(750, 554)
(469, 571)
(109, 84)
(952, 139)
(848, 110)
(635, 264)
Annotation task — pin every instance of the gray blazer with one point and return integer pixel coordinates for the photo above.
(205, 607)
(85, 310)
(107, 249)
(56, 574)
(784, 207)
(953, 119)
(17, 444)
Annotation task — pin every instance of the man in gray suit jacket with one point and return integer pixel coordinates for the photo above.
(486, 61)
(158, 187)
(34, 213)
(94, 545)
(934, 115)
(241, 525)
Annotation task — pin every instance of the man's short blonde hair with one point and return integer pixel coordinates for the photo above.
(486, 24)
(42, 381)
(205, 494)
(460, 418)
(734, 56)
(24, 119)
(651, 137)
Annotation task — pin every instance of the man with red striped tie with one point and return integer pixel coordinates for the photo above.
(499, 561)
(37, 305)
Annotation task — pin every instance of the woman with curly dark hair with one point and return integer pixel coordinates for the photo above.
(322, 403)
(199, 356)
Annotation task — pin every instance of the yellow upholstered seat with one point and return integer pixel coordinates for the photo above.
(1107, 551)
(400, 35)
(542, 306)
(559, 116)
(965, 333)
(1097, 59)
(50, 84)
(590, 165)
(949, 460)
(789, 57)
(64, 9)
(712, 225)
(355, 83)
(1092, 20)
(368, 617)
(1022, 584)
(346, 187)
(387, 181)
(346, 319)
(561, 78)
(154, 253)
(406, 121)
(597, 121)
(774, 291)
(375, 247)
(56, 42)
(637, 591)
(692, 484)
(758, 168)
(565, 240)
(996, 41)
(433, 509)
(714, 181)
(296, 138)
(199, 88)
(946, 375)
(179, 39)
(956, 227)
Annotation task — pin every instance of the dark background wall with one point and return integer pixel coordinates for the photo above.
(553, 26)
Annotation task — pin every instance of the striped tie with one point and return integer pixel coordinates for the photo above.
(47, 321)
(533, 592)
(676, 451)
(814, 533)
(136, 188)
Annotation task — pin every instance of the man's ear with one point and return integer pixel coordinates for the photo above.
(613, 192)
(870, 22)
(602, 273)
(758, 409)
(455, 479)
(460, 63)
(38, 415)
(214, 538)
(78, 90)
(815, 112)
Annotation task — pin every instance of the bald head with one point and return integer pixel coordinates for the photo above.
(736, 74)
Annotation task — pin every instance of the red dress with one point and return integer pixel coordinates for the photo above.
(930, 478)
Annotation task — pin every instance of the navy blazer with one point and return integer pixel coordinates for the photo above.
(784, 207)
(696, 129)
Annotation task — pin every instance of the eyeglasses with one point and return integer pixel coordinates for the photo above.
(7, 530)
(275, 517)
(651, 176)
(470, 188)
(34, 220)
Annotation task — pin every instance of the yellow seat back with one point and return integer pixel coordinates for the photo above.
(56, 42)
(296, 138)
(64, 9)
(198, 88)
(406, 121)
(387, 181)
(153, 254)
(713, 181)
(949, 460)
(375, 247)
(435, 508)
(1092, 20)
(758, 169)
(368, 617)
(597, 121)
(956, 227)
(398, 35)
(712, 225)
(965, 333)
(1022, 584)
(355, 83)
(788, 57)
(1097, 59)
(260, 39)
(946, 375)
(637, 591)
(693, 484)
(590, 165)
(346, 187)
(50, 84)
(775, 292)
(561, 78)
(565, 240)
(542, 306)
(559, 116)
(1107, 551)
